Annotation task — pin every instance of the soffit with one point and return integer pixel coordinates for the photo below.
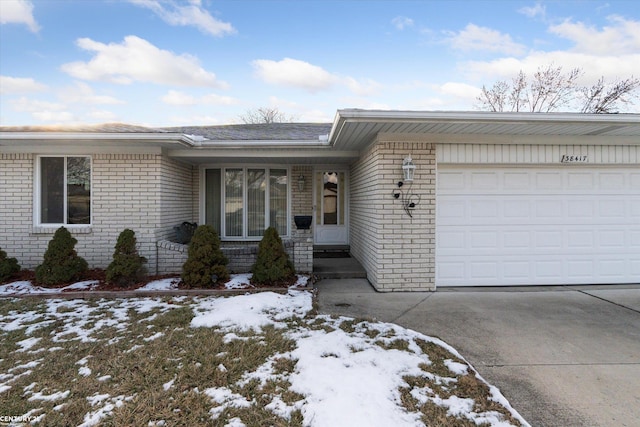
(354, 129)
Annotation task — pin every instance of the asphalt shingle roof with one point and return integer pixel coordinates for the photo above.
(257, 132)
(241, 132)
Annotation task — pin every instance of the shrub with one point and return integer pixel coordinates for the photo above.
(8, 266)
(273, 265)
(206, 264)
(127, 266)
(61, 262)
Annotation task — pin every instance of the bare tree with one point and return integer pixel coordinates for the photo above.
(550, 89)
(265, 115)
(603, 98)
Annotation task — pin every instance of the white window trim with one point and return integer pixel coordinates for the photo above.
(244, 167)
(38, 226)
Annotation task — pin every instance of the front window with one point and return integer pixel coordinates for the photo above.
(240, 203)
(65, 190)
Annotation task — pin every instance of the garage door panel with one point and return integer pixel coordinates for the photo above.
(509, 226)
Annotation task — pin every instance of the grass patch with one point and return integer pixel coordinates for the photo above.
(140, 362)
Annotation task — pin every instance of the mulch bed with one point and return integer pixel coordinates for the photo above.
(100, 276)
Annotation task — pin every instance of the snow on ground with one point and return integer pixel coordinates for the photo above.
(237, 281)
(346, 377)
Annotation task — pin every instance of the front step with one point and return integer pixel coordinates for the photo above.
(338, 268)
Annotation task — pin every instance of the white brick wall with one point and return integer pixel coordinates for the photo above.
(397, 251)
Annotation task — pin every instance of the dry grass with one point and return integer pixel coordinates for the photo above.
(155, 367)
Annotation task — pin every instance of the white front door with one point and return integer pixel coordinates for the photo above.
(330, 207)
(537, 226)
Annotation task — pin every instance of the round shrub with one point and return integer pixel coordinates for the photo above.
(61, 262)
(8, 266)
(206, 265)
(273, 266)
(127, 266)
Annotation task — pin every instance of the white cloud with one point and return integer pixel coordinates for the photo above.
(82, 93)
(303, 75)
(296, 73)
(18, 12)
(54, 116)
(137, 60)
(459, 90)
(19, 85)
(192, 14)
(594, 67)
(33, 105)
(103, 116)
(475, 38)
(366, 87)
(174, 97)
(402, 22)
(621, 37)
(539, 10)
(42, 110)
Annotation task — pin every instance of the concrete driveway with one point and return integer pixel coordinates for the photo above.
(563, 356)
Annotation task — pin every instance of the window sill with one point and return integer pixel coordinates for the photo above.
(51, 229)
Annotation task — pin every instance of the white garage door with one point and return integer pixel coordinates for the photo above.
(530, 226)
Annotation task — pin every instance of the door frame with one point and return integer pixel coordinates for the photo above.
(320, 229)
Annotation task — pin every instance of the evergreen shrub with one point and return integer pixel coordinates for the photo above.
(127, 266)
(206, 265)
(61, 263)
(272, 266)
(8, 266)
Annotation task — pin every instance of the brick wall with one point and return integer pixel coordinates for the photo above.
(301, 201)
(176, 196)
(241, 255)
(397, 251)
(16, 209)
(148, 193)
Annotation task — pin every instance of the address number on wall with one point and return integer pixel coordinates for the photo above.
(573, 159)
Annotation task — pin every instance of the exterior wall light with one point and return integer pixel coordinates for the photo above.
(408, 169)
(301, 183)
(406, 196)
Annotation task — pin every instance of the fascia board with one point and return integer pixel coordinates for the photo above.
(8, 138)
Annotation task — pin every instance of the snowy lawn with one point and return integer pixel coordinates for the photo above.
(254, 360)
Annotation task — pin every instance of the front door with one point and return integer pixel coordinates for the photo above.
(330, 207)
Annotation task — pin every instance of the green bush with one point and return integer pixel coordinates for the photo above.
(127, 266)
(206, 264)
(8, 266)
(61, 262)
(273, 266)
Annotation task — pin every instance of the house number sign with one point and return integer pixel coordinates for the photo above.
(573, 159)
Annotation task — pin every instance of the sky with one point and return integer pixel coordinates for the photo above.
(208, 62)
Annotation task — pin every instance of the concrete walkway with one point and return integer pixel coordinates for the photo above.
(563, 356)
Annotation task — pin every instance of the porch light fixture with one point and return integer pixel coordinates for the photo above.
(301, 183)
(408, 169)
(406, 196)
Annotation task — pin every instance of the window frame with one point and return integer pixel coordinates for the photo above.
(245, 168)
(37, 193)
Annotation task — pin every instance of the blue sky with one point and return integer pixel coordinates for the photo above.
(206, 62)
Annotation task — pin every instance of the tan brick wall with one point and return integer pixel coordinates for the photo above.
(127, 192)
(397, 251)
(16, 208)
(177, 196)
(301, 201)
